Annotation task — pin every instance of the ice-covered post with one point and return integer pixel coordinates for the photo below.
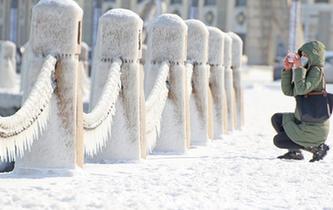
(167, 42)
(237, 51)
(56, 30)
(84, 58)
(26, 70)
(197, 55)
(84, 69)
(229, 85)
(217, 86)
(7, 65)
(119, 36)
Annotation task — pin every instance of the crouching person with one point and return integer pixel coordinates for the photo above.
(292, 133)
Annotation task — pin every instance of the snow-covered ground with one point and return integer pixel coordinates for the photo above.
(239, 171)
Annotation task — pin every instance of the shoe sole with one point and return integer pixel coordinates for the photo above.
(282, 158)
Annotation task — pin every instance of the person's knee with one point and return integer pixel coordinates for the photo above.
(277, 141)
(274, 118)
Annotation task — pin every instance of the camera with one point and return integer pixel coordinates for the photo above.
(291, 57)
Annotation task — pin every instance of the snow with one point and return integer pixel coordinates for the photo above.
(58, 32)
(239, 171)
(160, 46)
(64, 3)
(117, 36)
(237, 50)
(197, 41)
(215, 46)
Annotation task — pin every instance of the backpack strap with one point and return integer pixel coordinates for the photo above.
(323, 91)
(322, 76)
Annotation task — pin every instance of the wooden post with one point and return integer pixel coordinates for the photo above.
(197, 54)
(56, 30)
(217, 86)
(119, 36)
(237, 51)
(229, 85)
(167, 42)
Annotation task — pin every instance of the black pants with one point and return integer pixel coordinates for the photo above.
(281, 140)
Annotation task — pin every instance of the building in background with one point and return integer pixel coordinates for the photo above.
(318, 22)
(24, 12)
(267, 28)
(15, 20)
(262, 24)
(5, 19)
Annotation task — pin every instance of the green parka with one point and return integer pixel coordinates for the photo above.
(305, 80)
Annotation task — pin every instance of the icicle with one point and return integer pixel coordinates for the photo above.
(17, 132)
(155, 104)
(97, 124)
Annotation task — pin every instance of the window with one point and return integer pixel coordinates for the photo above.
(176, 12)
(176, 2)
(240, 3)
(209, 18)
(109, 8)
(14, 4)
(240, 18)
(195, 3)
(210, 2)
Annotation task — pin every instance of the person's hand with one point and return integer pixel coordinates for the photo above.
(286, 65)
(297, 62)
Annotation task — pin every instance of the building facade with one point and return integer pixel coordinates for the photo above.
(15, 19)
(15, 15)
(267, 30)
(5, 19)
(262, 24)
(318, 23)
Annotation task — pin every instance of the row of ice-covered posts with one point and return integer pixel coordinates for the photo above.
(204, 98)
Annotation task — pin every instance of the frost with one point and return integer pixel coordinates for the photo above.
(17, 132)
(97, 123)
(155, 104)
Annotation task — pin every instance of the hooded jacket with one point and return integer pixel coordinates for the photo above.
(306, 79)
